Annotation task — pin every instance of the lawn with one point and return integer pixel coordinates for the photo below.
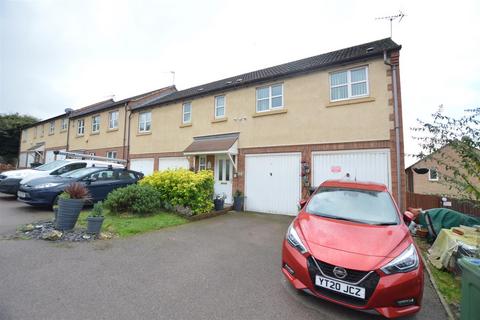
(128, 225)
(448, 285)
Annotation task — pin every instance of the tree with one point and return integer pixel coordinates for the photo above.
(11, 126)
(462, 135)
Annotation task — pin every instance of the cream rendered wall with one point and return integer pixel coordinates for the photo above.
(106, 138)
(310, 117)
(57, 139)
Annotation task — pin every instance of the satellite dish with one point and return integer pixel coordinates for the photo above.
(421, 170)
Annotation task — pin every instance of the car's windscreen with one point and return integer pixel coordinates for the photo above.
(51, 165)
(371, 207)
(75, 174)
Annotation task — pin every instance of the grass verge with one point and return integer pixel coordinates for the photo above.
(127, 225)
(448, 284)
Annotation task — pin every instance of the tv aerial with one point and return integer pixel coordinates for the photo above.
(398, 16)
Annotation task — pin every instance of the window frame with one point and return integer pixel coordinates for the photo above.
(140, 122)
(183, 112)
(349, 83)
(64, 124)
(110, 118)
(96, 124)
(270, 98)
(82, 126)
(113, 152)
(224, 106)
(430, 175)
(51, 129)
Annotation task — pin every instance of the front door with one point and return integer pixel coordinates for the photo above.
(223, 177)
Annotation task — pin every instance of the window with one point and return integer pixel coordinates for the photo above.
(35, 132)
(112, 154)
(95, 123)
(202, 163)
(69, 167)
(433, 174)
(220, 107)
(144, 121)
(25, 135)
(187, 112)
(113, 120)
(80, 127)
(349, 84)
(269, 98)
(64, 123)
(42, 129)
(52, 127)
(105, 175)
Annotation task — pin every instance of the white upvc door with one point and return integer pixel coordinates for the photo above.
(223, 177)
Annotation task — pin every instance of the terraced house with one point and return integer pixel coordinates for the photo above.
(273, 133)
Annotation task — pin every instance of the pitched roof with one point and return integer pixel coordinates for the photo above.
(92, 108)
(363, 51)
(218, 142)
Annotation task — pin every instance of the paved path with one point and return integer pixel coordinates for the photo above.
(222, 268)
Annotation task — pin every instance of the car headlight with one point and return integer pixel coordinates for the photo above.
(294, 240)
(407, 261)
(46, 185)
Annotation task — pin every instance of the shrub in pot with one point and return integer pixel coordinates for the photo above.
(219, 202)
(70, 203)
(238, 200)
(95, 219)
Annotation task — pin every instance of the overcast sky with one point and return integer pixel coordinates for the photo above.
(56, 54)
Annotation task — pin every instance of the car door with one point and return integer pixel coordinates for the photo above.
(99, 184)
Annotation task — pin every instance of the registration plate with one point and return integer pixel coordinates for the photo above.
(22, 194)
(341, 287)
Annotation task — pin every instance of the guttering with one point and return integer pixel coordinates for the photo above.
(128, 135)
(125, 133)
(394, 68)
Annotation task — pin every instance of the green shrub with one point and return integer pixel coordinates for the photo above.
(135, 199)
(183, 188)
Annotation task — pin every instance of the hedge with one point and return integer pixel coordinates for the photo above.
(135, 199)
(183, 188)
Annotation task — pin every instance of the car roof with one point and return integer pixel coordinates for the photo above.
(360, 185)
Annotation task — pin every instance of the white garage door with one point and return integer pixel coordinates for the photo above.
(272, 183)
(143, 165)
(22, 161)
(360, 165)
(172, 163)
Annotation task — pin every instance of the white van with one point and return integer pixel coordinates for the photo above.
(10, 180)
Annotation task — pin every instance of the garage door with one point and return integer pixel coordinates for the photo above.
(272, 183)
(360, 165)
(173, 163)
(143, 165)
(50, 156)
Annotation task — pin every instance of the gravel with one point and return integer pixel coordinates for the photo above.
(45, 230)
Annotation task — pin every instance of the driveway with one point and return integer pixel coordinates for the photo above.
(222, 268)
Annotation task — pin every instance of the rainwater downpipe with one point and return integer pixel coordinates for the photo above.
(397, 127)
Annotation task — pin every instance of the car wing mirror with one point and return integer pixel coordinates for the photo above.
(408, 217)
(302, 203)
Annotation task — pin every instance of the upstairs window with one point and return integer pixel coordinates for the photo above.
(349, 84)
(112, 154)
(187, 112)
(270, 98)
(219, 107)
(113, 120)
(96, 124)
(64, 123)
(433, 174)
(52, 128)
(25, 135)
(145, 121)
(42, 130)
(80, 127)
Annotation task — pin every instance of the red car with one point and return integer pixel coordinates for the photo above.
(350, 245)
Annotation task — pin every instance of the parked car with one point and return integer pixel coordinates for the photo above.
(350, 245)
(10, 180)
(98, 181)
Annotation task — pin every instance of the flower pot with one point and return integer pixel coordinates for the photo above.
(55, 216)
(94, 224)
(238, 203)
(218, 204)
(68, 212)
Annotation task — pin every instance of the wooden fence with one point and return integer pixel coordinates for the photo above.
(426, 201)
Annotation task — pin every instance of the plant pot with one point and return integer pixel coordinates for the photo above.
(94, 224)
(55, 216)
(218, 204)
(238, 203)
(68, 212)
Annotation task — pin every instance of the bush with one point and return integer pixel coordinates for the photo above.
(183, 188)
(135, 199)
